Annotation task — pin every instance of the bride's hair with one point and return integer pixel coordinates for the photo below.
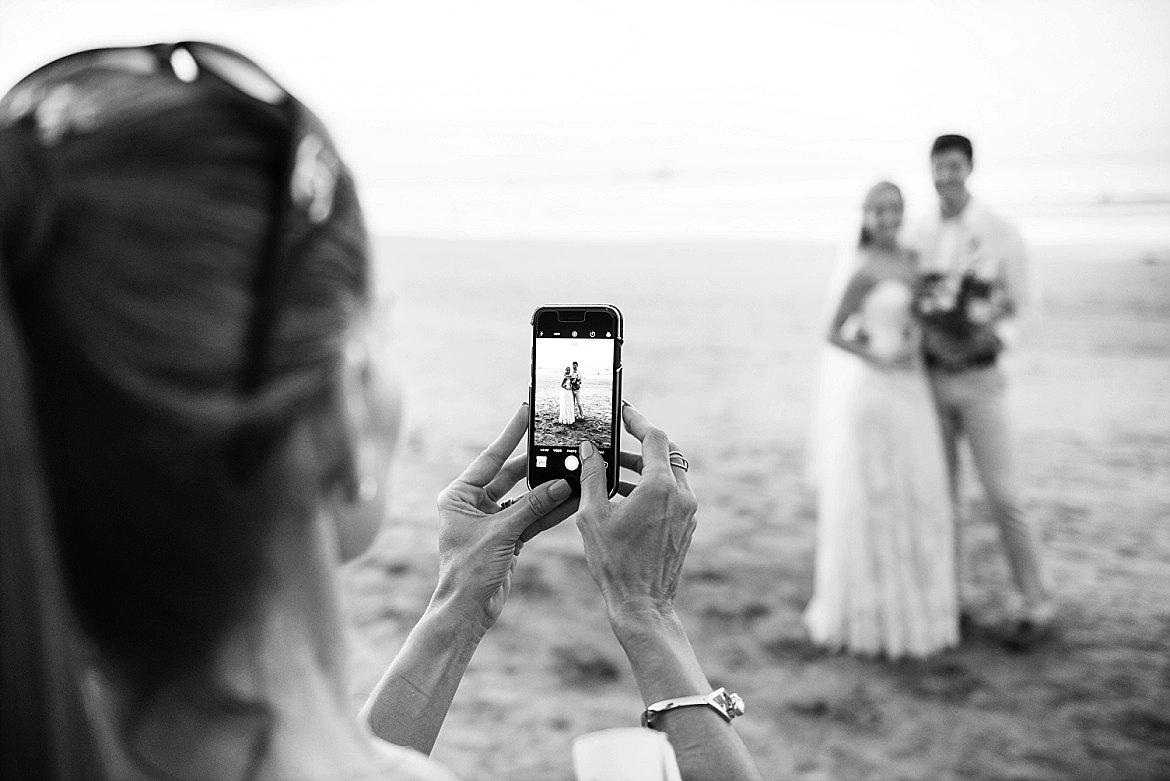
(129, 256)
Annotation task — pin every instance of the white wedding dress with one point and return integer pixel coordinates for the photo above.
(568, 414)
(885, 571)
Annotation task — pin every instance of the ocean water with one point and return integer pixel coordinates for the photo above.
(1126, 207)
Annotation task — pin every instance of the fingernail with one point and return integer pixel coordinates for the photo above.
(587, 449)
(559, 490)
(626, 403)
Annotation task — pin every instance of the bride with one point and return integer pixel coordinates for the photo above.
(568, 413)
(885, 572)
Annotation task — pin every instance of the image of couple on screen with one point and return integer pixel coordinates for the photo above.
(570, 409)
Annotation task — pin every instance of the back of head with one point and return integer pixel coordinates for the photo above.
(946, 143)
(133, 217)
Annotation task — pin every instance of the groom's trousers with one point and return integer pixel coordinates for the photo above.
(972, 406)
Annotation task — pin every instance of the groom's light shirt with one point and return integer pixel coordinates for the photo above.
(980, 241)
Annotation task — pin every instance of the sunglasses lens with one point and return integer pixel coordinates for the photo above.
(241, 73)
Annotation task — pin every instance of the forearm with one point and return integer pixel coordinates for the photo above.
(410, 703)
(665, 666)
(850, 346)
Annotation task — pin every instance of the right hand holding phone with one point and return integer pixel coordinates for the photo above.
(635, 547)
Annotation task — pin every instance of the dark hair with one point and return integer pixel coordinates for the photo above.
(43, 727)
(865, 238)
(129, 254)
(946, 143)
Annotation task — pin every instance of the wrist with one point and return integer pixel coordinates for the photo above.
(630, 613)
(660, 655)
(457, 612)
(641, 623)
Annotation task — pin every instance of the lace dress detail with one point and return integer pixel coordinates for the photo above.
(885, 572)
(568, 414)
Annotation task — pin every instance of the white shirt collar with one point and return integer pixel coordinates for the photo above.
(964, 218)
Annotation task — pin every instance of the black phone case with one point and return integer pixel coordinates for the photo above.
(616, 421)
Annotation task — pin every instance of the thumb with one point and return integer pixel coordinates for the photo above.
(535, 504)
(594, 493)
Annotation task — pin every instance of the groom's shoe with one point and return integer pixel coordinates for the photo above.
(1036, 626)
(967, 624)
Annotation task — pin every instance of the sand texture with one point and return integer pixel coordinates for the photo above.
(720, 351)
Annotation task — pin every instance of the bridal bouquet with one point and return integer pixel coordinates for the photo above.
(957, 304)
(956, 313)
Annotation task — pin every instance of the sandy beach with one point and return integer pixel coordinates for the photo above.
(720, 351)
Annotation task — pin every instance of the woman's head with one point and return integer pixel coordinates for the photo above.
(184, 259)
(881, 215)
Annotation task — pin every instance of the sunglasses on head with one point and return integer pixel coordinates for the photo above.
(57, 106)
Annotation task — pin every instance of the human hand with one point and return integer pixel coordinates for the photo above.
(902, 360)
(479, 541)
(635, 547)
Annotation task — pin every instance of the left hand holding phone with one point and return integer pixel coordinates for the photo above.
(479, 541)
(478, 544)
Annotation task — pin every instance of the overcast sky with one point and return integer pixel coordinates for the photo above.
(593, 356)
(461, 91)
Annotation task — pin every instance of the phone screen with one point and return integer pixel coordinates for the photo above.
(576, 391)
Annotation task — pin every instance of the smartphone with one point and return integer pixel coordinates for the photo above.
(575, 391)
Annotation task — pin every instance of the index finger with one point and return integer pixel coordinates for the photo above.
(488, 463)
(655, 445)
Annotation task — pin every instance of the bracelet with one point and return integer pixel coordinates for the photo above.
(726, 704)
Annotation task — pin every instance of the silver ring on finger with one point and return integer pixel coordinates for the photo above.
(678, 459)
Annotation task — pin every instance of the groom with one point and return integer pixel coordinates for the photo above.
(966, 240)
(575, 384)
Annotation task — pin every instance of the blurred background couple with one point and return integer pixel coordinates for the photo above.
(915, 326)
